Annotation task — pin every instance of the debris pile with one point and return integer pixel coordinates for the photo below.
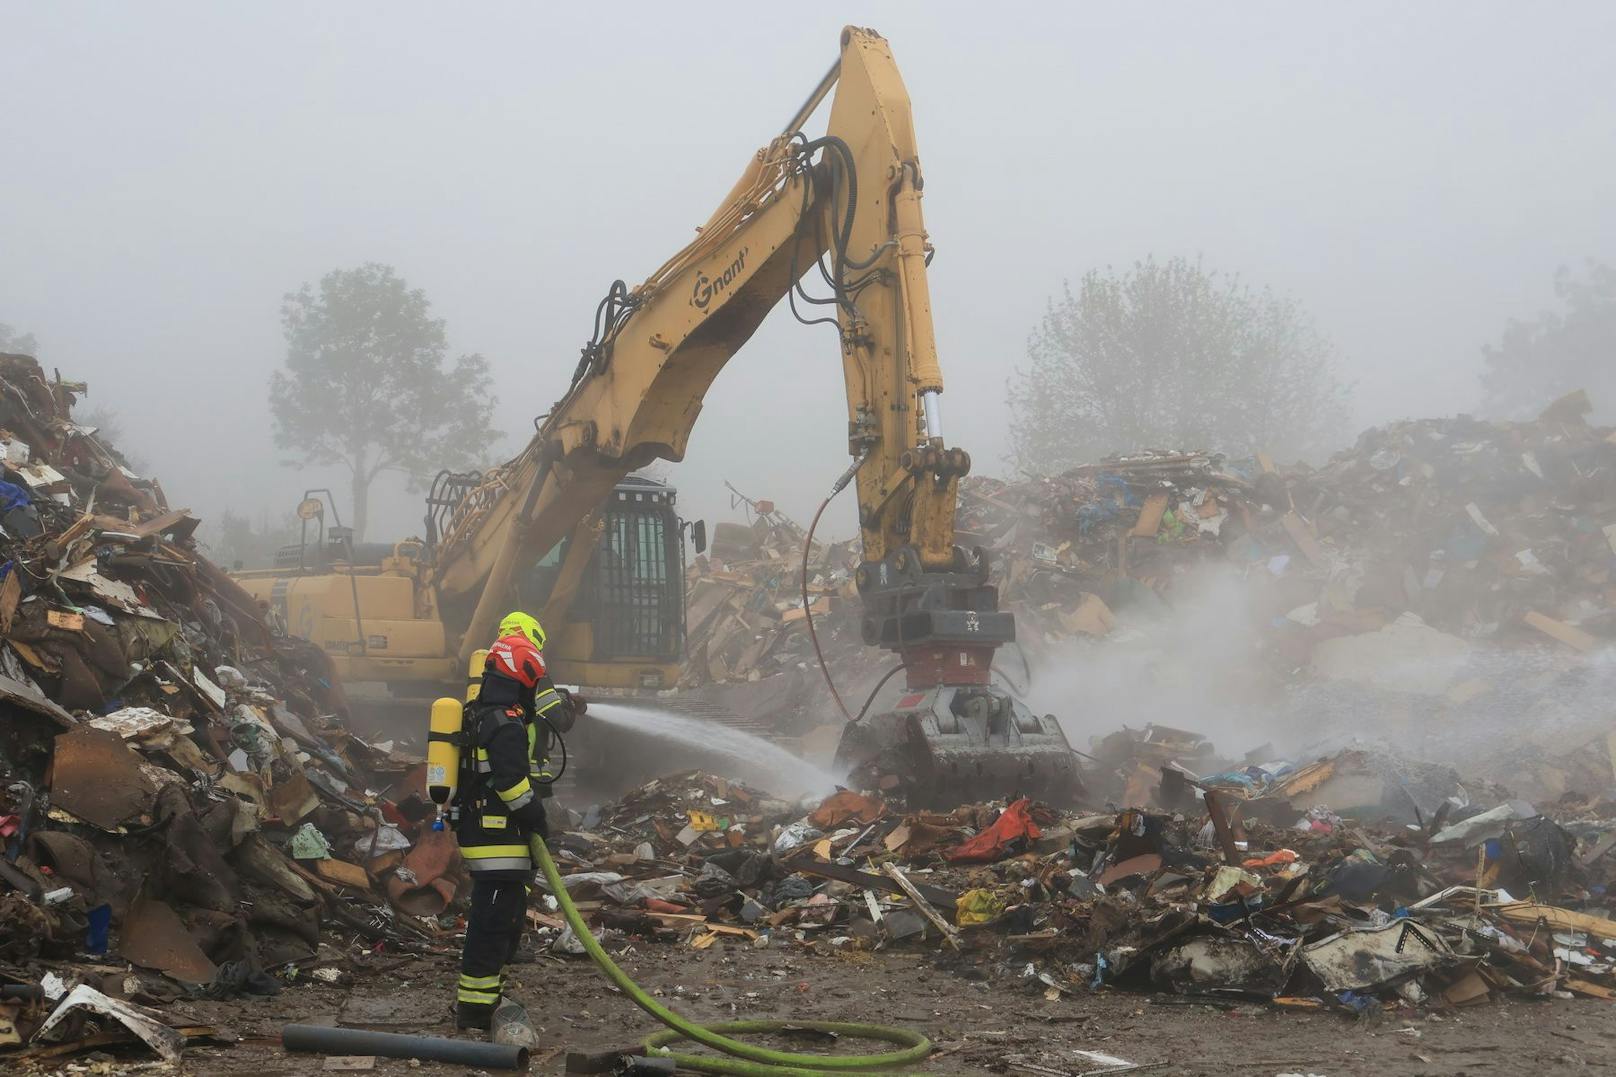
(1241, 884)
(177, 789)
(745, 618)
(1069, 549)
(1482, 530)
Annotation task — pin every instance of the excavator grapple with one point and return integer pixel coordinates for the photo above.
(954, 736)
(954, 745)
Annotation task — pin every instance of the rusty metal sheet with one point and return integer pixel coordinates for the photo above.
(155, 937)
(96, 777)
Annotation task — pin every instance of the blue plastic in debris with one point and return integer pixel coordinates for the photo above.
(95, 939)
(1355, 1002)
(13, 496)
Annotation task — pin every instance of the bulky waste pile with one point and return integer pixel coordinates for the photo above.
(1238, 884)
(181, 809)
(1483, 530)
(745, 617)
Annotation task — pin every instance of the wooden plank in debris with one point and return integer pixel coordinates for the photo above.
(10, 598)
(1150, 516)
(921, 904)
(63, 542)
(539, 919)
(865, 880)
(342, 873)
(1570, 635)
(1588, 987)
(72, 622)
(1530, 912)
(1302, 534)
(677, 919)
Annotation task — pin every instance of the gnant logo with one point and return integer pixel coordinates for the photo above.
(709, 288)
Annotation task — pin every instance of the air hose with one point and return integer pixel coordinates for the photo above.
(747, 1060)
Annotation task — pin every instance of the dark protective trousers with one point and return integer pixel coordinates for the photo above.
(493, 930)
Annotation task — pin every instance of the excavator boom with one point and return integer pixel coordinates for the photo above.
(849, 203)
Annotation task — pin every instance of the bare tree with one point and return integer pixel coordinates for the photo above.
(1172, 354)
(368, 385)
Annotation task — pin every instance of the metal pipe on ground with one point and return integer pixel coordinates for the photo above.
(322, 1039)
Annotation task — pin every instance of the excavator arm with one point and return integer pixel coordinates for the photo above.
(848, 202)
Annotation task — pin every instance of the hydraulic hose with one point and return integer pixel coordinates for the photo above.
(807, 607)
(808, 611)
(747, 1060)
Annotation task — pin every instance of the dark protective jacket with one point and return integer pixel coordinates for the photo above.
(505, 770)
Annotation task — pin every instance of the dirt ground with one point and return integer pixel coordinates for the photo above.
(982, 1017)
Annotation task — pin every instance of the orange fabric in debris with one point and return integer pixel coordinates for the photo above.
(993, 843)
(846, 806)
(1284, 856)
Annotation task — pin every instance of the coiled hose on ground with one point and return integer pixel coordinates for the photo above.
(746, 1059)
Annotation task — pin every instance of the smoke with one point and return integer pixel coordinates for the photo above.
(1197, 663)
(1212, 662)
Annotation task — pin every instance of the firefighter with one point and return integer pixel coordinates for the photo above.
(505, 779)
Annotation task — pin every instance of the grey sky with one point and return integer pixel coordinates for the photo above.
(1412, 173)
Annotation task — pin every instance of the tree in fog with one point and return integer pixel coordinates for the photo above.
(368, 384)
(16, 343)
(1559, 351)
(1172, 355)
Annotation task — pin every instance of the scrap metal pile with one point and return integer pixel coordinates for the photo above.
(177, 792)
(1240, 884)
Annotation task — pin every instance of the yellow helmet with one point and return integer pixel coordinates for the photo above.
(517, 621)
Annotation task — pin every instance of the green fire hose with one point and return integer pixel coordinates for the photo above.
(748, 1060)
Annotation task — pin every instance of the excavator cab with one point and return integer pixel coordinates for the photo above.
(610, 593)
(623, 609)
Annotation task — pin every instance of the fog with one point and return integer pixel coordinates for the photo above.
(1412, 176)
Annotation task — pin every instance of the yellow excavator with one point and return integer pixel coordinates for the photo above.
(845, 209)
(612, 589)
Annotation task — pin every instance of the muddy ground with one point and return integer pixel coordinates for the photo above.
(981, 1025)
